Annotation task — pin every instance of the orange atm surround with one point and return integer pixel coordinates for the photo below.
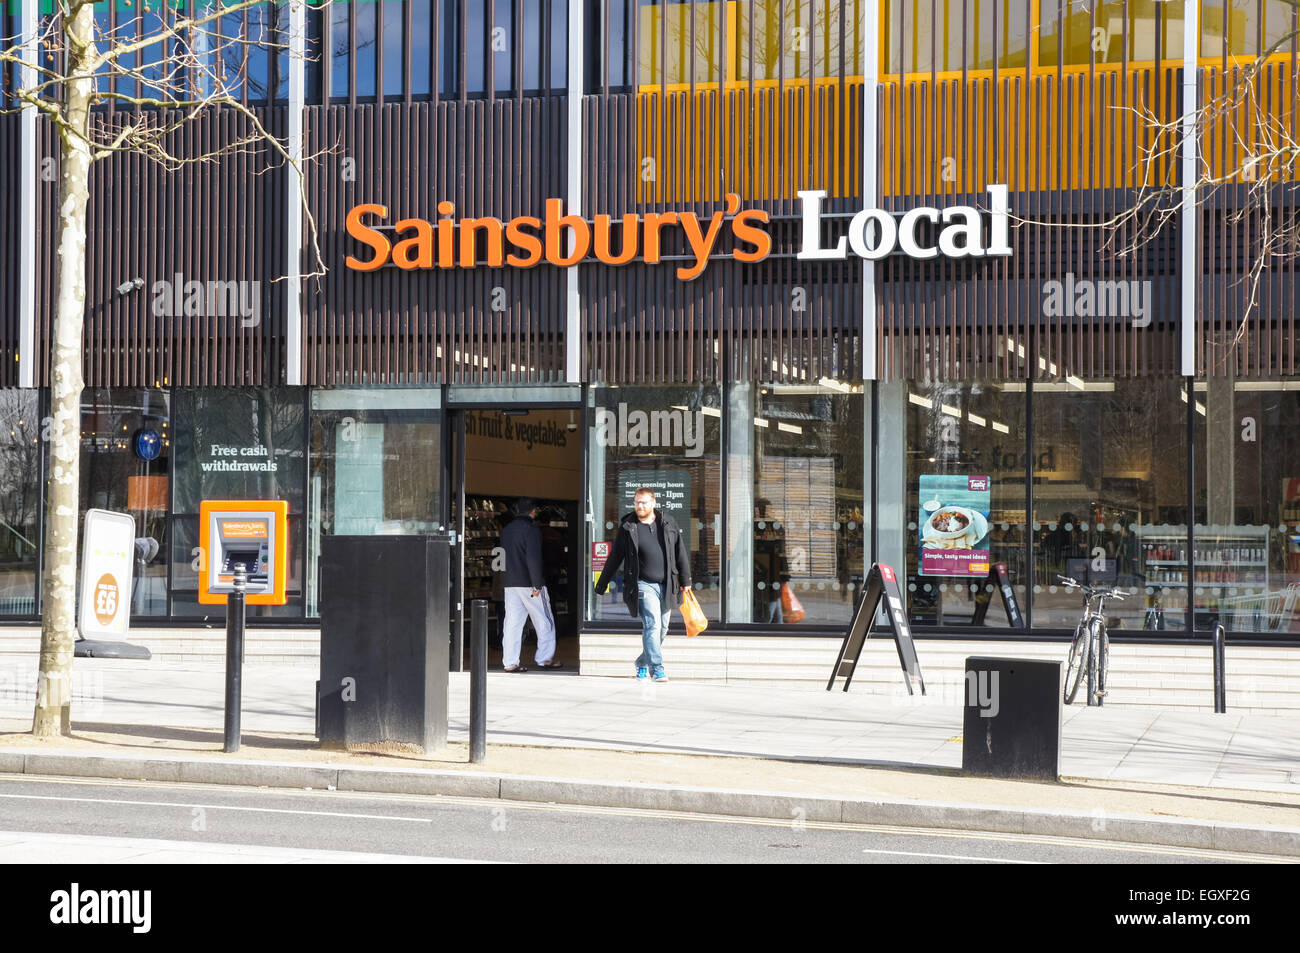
(261, 524)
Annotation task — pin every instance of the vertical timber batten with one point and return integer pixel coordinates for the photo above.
(1189, 229)
(573, 105)
(293, 199)
(27, 357)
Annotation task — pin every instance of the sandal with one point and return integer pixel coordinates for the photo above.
(517, 668)
(550, 664)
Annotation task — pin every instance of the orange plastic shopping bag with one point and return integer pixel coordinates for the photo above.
(692, 614)
(791, 608)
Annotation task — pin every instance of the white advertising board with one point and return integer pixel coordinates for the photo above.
(107, 561)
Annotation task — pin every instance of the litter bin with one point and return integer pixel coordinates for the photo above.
(384, 640)
(1011, 726)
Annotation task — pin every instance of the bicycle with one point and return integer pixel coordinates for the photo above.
(1091, 646)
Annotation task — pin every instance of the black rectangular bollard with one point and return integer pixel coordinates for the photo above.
(383, 641)
(1011, 727)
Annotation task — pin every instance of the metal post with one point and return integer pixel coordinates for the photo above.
(478, 680)
(234, 657)
(1220, 689)
(1094, 647)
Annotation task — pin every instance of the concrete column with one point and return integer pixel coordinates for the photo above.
(891, 474)
(740, 502)
(870, 53)
(293, 195)
(1188, 226)
(28, 164)
(572, 300)
(1220, 451)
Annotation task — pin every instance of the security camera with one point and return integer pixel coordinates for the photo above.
(571, 426)
(130, 285)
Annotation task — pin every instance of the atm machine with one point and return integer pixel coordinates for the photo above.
(251, 533)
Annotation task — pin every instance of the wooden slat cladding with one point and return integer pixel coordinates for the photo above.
(501, 158)
(10, 244)
(1020, 316)
(218, 226)
(1249, 326)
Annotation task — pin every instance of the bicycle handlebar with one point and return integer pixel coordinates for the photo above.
(1111, 593)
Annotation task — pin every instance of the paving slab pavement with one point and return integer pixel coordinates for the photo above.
(1177, 778)
(1234, 750)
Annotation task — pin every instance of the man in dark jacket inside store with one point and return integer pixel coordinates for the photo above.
(656, 571)
(525, 590)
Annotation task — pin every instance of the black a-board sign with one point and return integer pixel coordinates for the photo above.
(881, 583)
(1001, 581)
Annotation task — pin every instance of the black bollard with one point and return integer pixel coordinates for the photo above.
(234, 657)
(1220, 688)
(478, 680)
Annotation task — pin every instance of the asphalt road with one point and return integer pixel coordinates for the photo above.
(83, 815)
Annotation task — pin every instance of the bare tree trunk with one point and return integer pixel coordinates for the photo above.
(58, 620)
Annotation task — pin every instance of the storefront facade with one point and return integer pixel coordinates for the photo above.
(1128, 418)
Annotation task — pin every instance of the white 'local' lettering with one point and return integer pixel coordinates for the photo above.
(962, 234)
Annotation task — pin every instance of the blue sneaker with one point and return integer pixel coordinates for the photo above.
(643, 672)
(661, 676)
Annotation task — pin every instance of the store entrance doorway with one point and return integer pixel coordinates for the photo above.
(501, 456)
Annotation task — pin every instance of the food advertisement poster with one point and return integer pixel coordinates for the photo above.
(954, 524)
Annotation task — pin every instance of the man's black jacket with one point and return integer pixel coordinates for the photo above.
(625, 555)
(522, 542)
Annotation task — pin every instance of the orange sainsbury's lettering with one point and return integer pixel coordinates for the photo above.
(368, 236)
(421, 243)
(559, 239)
(524, 241)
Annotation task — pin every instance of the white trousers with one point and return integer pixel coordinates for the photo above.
(520, 602)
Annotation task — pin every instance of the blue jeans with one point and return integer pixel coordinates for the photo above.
(655, 616)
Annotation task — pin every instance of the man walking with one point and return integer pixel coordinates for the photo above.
(525, 590)
(657, 569)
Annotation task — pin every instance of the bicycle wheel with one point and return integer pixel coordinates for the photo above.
(1075, 663)
(1103, 650)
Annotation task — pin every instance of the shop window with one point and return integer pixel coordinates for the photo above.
(126, 467)
(669, 439)
(237, 443)
(1110, 499)
(952, 456)
(760, 41)
(950, 35)
(21, 492)
(365, 45)
(1246, 542)
(795, 465)
(376, 460)
(1235, 28)
(340, 49)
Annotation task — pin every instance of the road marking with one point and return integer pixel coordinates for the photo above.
(440, 799)
(914, 853)
(219, 807)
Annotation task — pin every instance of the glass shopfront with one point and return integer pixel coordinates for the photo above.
(668, 439)
(1110, 499)
(376, 459)
(795, 461)
(238, 443)
(126, 466)
(954, 456)
(21, 496)
(1246, 542)
(786, 493)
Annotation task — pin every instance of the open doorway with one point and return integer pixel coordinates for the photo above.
(510, 454)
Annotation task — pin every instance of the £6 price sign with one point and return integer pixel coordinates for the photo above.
(107, 561)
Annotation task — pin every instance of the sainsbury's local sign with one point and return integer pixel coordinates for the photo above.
(959, 231)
